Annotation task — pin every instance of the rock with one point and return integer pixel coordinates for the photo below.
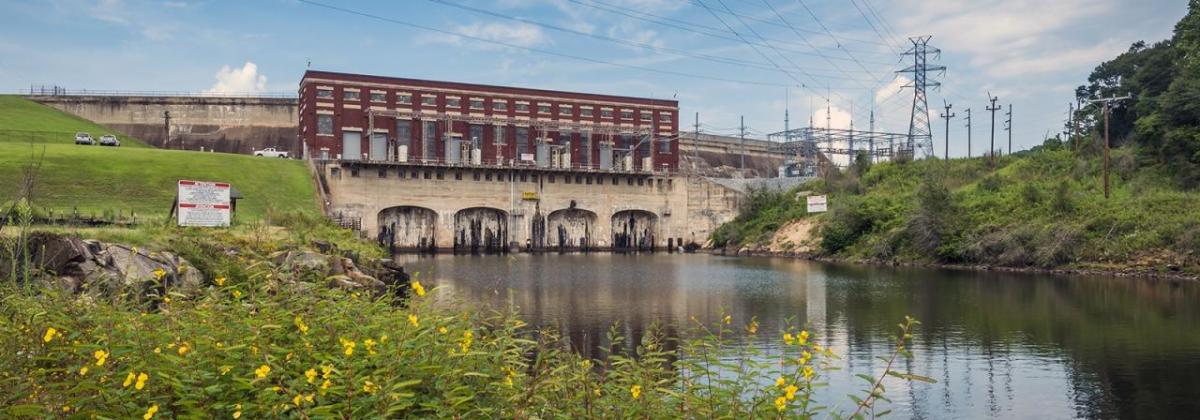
(56, 253)
(392, 274)
(122, 268)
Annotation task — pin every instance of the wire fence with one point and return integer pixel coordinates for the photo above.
(52, 90)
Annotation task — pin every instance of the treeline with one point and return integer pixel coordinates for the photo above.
(1162, 120)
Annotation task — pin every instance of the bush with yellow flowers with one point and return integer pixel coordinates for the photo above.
(247, 347)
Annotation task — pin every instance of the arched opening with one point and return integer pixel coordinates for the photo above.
(570, 229)
(408, 228)
(481, 230)
(634, 230)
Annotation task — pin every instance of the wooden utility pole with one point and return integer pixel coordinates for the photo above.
(1107, 105)
(948, 115)
(968, 133)
(992, 146)
(1008, 127)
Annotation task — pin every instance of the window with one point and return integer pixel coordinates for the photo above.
(626, 114)
(404, 134)
(477, 104)
(499, 105)
(324, 93)
(453, 103)
(543, 109)
(522, 141)
(498, 137)
(606, 113)
(664, 145)
(350, 95)
(645, 115)
(476, 132)
(404, 98)
(664, 117)
(522, 107)
(428, 99)
(564, 110)
(428, 140)
(325, 124)
(585, 112)
(585, 149)
(378, 97)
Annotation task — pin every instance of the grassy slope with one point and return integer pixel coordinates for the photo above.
(1016, 216)
(26, 121)
(97, 179)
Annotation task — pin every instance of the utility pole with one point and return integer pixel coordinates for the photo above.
(696, 141)
(948, 115)
(992, 146)
(166, 129)
(871, 142)
(742, 128)
(968, 133)
(1107, 104)
(1008, 127)
(919, 134)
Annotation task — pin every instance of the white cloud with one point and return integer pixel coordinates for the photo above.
(838, 117)
(239, 80)
(109, 11)
(627, 31)
(517, 34)
(891, 89)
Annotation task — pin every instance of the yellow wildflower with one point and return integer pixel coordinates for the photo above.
(370, 387)
(220, 281)
(805, 356)
(412, 319)
(66, 409)
(128, 380)
(166, 299)
(237, 294)
(296, 400)
(311, 375)
(780, 382)
(808, 372)
(159, 273)
(781, 403)
(308, 397)
(788, 339)
(157, 350)
(49, 335)
(596, 392)
(237, 410)
(468, 337)
(300, 325)
(225, 369)
(348, 346)
(262, 371)
(443, 330)
(802, 338)
(635, 391)
(83, 370)
(728, 319)
(101, 357)
(753, 327)
(370, 345)
(325, 371)
(183, 349)
(141, 381)
(325, 384)
(417, 287)
(790, 392)
(150, 412)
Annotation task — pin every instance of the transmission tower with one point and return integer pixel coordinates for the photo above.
(919, 134)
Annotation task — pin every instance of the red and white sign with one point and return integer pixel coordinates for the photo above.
(203, 204)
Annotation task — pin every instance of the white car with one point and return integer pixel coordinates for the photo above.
(271, 152)
(109, 140)
(85, 139)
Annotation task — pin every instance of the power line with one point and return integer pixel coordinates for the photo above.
(768, 22)
(537, 50)
(839, 44)
(674, 51)
(871, 24)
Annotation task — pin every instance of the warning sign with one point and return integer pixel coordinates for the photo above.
(203, 204)
(817, 204)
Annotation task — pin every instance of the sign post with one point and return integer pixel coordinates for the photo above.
(205, 204)
(817, 204)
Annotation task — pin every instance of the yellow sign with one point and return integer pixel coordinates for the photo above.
(529, 195)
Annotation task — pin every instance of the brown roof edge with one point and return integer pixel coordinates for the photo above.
(511, 90)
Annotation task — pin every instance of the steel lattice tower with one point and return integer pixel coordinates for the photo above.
(919, 134)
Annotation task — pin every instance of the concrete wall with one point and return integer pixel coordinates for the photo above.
(537, 207)
(234, 125)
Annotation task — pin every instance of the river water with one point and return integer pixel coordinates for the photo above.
(1000, 345)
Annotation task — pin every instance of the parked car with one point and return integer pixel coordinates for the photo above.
(84, 138)
(271, 152)
(109, 140)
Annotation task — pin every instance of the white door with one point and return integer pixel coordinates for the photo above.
(351, 145)
(378, 146)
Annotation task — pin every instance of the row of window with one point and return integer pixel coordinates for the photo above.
(382, 172)
(497, 105)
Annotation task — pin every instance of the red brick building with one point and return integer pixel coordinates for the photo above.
(373, 118)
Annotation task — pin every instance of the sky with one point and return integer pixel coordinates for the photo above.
(723, 59)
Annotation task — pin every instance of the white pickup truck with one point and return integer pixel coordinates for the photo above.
(271, 152)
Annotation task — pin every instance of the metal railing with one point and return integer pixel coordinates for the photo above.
(573, 167)
(61, 91)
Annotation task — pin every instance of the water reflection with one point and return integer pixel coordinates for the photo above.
(1001, 345)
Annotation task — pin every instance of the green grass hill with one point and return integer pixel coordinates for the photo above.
(1041, 208)
(99, 180)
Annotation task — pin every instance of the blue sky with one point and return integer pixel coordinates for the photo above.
(1031, 53)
